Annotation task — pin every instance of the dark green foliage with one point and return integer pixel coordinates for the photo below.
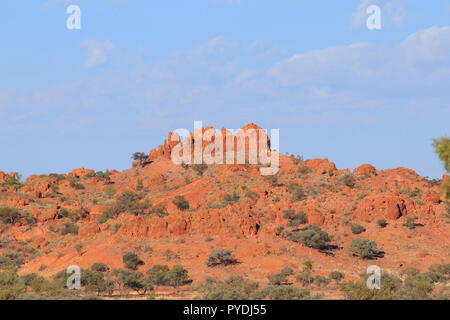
(312, 236)
(231, 198)
(233, 288)
(199, 168)
(11, 259)
(181, 203)
(76, 184)
(131, 260)
(382, 223)
(285, 293)
(348, 180)
(69, 227)
(139, 156)
(364, 248)
(411, 222)
(296, 190)
(336, 276)
(295, 219)
(158, 275)
(357, 228)
(220, 257)
(12, 181)
(9, 215)
(177, 276)
(99, 267)
(127, 202)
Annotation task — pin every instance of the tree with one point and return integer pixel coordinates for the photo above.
(158, 274)
(139, 156)
(364, 248)
(442, 149)
(131, 260)
(220, 257)
(177, 276)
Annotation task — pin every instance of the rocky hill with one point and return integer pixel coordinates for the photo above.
(172, 214)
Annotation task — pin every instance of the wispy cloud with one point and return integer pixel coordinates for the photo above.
(98, 52)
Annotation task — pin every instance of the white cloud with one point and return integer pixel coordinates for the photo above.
(98, 52)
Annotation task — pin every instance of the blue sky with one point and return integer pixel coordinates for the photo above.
(139, 69)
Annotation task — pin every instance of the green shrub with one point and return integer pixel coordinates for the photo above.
(69, 227)
(200, 168)
(364, 248)
(158, 274)
(12, 181)
(411, 222)
(348, 180)
(131, 260)
(139, 156)
(9, 215)
(382, 223)
(296, 190)
(336, 276)
(181, 203)
(99, 267)
(110, 192)
(285, 293)
(220, 257)
(357, 228)
(295, 219)
(312, 236)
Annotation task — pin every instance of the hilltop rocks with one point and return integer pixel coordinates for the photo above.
(80, 173)
(389, 206)
(365, 169)
(321, 166)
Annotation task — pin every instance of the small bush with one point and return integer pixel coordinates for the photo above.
(131, 260)
(357, 228)
(312, 236)
(181, 203)
(364, 248)
(411, 222)
(200, 168)
(295, 219)
(139, 156)
(296, 190)
(220, 257)
(382, 223)
(69, 227)
(348, 180)
(99, 267)
(336, 276)
(9, 215)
